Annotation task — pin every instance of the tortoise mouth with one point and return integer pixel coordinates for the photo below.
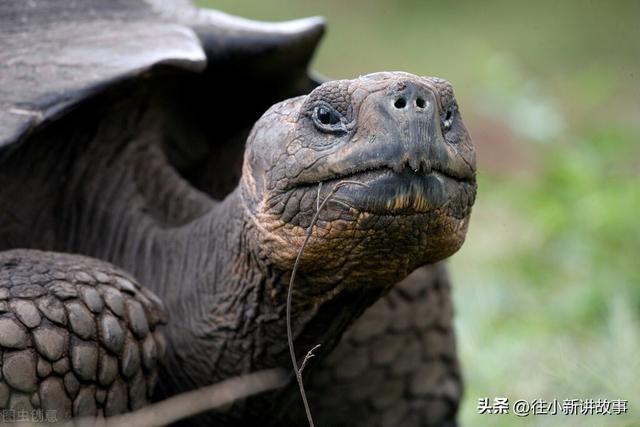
(403, 192)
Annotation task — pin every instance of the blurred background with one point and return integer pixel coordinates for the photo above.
(547, 286)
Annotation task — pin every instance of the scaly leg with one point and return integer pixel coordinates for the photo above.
(78, 336)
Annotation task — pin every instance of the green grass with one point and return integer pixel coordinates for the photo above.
(547, 286)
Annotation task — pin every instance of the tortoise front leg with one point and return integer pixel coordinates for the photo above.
(78, 336)
(397, 365)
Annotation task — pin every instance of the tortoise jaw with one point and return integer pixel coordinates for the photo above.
(400, 191)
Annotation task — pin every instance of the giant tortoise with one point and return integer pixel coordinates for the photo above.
(148, 229)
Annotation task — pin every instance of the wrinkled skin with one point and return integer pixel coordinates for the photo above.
(420, 177)
(222, 268)
(418, 164)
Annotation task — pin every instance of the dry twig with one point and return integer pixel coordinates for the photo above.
(298, 371)
(193, 402)
(186, 404)
(309, 356)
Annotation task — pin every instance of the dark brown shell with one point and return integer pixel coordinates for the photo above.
(53, 55)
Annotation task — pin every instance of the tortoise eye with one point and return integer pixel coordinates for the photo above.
(326, 119)
(326, 116)
(448, 117)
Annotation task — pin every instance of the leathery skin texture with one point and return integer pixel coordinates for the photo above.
(391, 132)
(221, 268)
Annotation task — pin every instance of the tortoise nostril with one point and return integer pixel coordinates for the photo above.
(420, 103)
(400, 103)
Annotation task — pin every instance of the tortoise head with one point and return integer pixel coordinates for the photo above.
(402, 137)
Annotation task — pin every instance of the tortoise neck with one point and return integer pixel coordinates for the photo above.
(228, 315)
(198, 257)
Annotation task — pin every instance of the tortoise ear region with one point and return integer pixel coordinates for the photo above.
(267, 146)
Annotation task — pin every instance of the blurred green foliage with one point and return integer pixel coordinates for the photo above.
(547, 286)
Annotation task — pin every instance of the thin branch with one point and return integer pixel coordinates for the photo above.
(294, 362)
(194, 402)
(318, 196)
(186, 404)
(308, 356)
